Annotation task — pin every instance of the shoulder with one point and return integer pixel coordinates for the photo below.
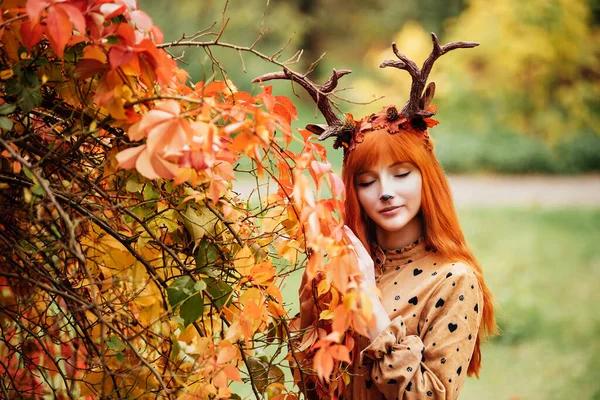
(455, 276)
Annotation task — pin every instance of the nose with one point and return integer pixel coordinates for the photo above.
(386, 189)
(385, 197)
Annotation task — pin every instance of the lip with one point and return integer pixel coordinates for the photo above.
(389, 210)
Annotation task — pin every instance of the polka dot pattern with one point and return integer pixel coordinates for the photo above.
(434, 307)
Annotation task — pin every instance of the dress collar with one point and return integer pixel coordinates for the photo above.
(385, 258)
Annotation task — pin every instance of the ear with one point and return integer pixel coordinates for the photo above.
(427, 96)
(317, 129)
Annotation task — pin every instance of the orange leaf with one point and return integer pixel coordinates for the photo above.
(232, 373)
(59, 29)
(31, 33)
(227, 352)
(287, 103)
(127, 158)
(323, 364)
(340, 352)
(244, 261)
(317, 170)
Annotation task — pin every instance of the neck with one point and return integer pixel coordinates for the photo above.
(403, 237)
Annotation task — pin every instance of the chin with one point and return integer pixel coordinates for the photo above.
(391, 226)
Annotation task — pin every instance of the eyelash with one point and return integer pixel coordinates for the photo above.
(368, 183)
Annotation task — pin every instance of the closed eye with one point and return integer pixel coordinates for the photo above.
(365, 184)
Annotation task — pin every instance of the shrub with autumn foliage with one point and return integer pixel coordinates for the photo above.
(129, 267)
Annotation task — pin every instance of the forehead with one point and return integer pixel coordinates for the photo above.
(375, 168)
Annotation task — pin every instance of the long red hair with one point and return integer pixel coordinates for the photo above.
(440, 223)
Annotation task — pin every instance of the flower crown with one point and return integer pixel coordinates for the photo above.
(415, 116)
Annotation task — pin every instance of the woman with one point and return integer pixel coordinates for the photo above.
(434, 306)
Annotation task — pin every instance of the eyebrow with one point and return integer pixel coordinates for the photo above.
(389, 166)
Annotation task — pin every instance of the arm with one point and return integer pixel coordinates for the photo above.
(429, 365)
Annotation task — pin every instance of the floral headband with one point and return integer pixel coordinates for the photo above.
(415, 116)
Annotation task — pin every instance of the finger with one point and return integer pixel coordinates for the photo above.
(362, 253)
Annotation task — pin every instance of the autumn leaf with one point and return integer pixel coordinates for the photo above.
(59, 29)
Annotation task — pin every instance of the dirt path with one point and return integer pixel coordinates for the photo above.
(526, 190)
(513, 190)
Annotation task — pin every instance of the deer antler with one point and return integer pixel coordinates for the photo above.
(319, 95)
(417, 102)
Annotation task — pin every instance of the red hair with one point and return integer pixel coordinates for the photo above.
(440, 224)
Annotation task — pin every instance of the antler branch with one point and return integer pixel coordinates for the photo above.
(318, 93)
(413, 106)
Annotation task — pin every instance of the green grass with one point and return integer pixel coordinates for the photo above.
(543, 266)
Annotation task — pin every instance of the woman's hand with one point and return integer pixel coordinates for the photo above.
(365, 262)
(367, 267)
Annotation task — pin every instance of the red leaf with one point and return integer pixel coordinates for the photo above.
(35, 9)
(31, 33)
(157, 34)
(283, 112)
(75, 16)
(141, 20)
(267, 99)
(86, 68)
(119, 55)
(126, 34)
(112, 10)
(287, 103)
(59, 30)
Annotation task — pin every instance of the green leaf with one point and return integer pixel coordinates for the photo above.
(5, 124)
(199, 286)
(219, 291)
(133, 186)
(6, 108)
(28, 173)
(150, 193)
(192, 308)
(179, 290)
(13, 87)
(114, 343)
(206, 257)
(29, 98)
(30, 79)
(120, 357)
(37, 188)
(41, 61)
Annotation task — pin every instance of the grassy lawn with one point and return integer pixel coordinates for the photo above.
(543, 267)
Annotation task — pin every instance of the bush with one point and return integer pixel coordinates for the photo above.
(512, 153)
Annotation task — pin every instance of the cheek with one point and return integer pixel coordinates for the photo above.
(415, 192)
(366, 199)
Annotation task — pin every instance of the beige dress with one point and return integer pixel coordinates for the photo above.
(435, 306)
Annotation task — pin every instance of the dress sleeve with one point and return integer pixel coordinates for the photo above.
(434, 363)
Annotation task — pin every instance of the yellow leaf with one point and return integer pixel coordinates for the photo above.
(326, 314)
(199, 222)
(323, 287)
(244, 261)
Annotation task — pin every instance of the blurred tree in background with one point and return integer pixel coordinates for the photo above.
(525, 101)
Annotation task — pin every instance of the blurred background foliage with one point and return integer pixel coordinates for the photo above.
(527, 100)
